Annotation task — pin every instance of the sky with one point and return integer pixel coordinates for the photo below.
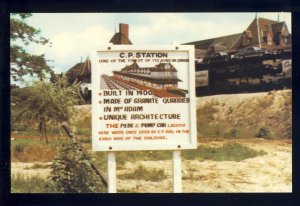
(77, 35)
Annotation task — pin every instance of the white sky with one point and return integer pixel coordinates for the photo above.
(76, 35)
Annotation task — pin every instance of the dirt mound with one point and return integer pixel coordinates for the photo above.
(267, 114)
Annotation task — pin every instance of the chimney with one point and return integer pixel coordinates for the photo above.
(124, 31)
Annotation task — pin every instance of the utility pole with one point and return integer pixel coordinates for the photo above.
(258, 30)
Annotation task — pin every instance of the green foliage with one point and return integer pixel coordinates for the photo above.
(34, 184)
(230, 110)
(38, 166)
(228, 152)
(232, 132)
(23, 63)
(72, 172)
(50, 101)
(141, 173)
(263, 132)
(123, 157)
(45, 103)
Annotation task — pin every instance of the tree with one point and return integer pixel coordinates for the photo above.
(48, 103)
(21, 62)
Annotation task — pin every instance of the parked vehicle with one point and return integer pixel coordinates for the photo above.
(251, 52)
(284, 49)
(216, 57)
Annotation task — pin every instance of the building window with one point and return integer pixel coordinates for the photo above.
(277, 38)
(246, 40)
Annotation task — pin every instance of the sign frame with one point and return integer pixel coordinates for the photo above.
(192, 139)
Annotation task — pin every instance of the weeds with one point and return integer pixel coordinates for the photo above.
(28, 150)
(232, 133)
(123, 157)
(126, 191)
(133, 156)
(265, 133)
(34, 184)
(266, 101)
(38, 166)
(228, 152)
(142, 173)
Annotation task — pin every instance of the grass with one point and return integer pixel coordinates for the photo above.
(30, 150)
(23, 129)
(126, 191)
(132, 156)
(123, 157)
(266, 101)
(228, 152)
(141, 173)
(82, 126)
(34, 184)
(38, 166)
(193, 177)
(288, 179)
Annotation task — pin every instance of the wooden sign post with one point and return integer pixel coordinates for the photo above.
(112, 175)
(177, 186)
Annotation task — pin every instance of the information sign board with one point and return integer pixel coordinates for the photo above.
(143, 98)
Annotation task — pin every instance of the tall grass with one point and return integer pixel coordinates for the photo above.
(228, 152)
(29, 150)
(141, 173)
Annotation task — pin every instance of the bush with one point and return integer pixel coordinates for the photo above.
(263, 133)
(72, 172)
(232, 133)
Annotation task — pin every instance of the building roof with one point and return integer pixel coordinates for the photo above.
(79, 71)
(224, 41)
(248, 33)
(231, 43)
(164, 67)
(278, 28)
(217, 44)
(116, 39)
(263, 25)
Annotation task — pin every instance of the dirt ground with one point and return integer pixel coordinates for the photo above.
(268, 173)
(25, 169)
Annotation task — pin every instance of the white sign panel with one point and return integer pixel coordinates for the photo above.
(287, 68)
(143, 98)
